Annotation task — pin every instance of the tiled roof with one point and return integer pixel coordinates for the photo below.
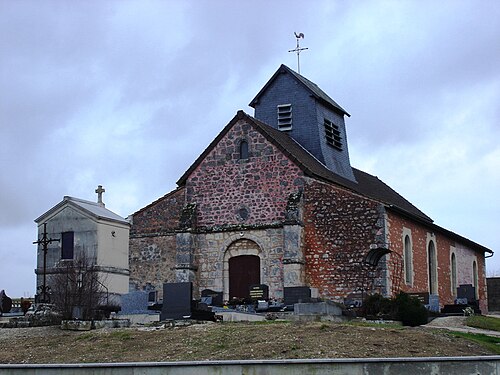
(367, 185)
(311, 86)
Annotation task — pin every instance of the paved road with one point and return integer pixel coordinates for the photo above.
(457, 323)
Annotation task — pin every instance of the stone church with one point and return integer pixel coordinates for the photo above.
(274, 200)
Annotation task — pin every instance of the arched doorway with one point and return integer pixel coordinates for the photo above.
(242, 267)
(244, 270)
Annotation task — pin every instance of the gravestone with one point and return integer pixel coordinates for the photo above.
(296, 294)
(216, 297)
(467, 291)
(433, 304)
(422, 297)
(5, 302)
(135, 303)
(259, 292)
(177, 299)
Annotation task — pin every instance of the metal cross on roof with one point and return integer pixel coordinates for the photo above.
(298, 49)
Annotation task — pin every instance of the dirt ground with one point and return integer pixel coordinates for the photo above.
(226, 341)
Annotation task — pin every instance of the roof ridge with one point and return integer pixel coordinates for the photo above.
(69, 198)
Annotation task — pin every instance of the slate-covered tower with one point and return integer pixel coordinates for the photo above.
(291, 103)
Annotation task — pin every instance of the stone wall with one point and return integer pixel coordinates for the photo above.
(444, 245)
(215, 249)
(233, 191)
(152, 261)
(339, 228)
(161, 216)
(152, 243)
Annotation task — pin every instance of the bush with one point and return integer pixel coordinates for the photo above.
(407, 309)
(410, 311)
(376, 305)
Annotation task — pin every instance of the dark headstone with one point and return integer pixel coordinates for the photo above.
(177, 299)
(467, 291)
(259, 292)
(135, 303)
(422, 297)
(296, 294)
(5, 302)
(152, 297)
(217, 297)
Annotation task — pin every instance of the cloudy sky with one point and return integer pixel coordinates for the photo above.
(127, 94)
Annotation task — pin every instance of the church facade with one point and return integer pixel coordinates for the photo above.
(274, 200)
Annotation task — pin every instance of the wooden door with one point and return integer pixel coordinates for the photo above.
(244, 270)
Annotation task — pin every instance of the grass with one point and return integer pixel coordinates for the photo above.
(488, 342)
(375, 325)
(484, 322)
(122, 335)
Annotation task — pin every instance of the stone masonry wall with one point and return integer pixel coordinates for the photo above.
(339, 228)
(152, 260)
(223, 184)
(444, 248)
(161, 216)
(152, 253)
(215, 249)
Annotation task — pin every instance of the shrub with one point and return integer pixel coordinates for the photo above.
(377, 306)
(410, 311)
(403, 307)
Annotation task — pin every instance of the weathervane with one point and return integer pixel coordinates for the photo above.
(298, 49)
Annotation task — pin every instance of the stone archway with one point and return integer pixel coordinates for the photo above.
(242, 268)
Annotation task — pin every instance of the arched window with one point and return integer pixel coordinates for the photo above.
(453, 274)
(475, 279)
(408, 261)
(431, 254)
(243, 149)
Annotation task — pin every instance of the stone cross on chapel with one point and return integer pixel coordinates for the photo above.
(99, 192)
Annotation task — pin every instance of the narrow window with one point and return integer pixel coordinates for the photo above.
(243, 149)
(453, 274)
(431, 254)
(475, 279)
(332, 134)
(408, 261)
(285, 117)
(67, 245)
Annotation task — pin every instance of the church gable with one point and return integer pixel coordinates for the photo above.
(242, 179)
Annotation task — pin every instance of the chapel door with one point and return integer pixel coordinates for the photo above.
(244, 270)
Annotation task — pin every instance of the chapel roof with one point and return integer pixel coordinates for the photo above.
(310, 86)
(91, 208)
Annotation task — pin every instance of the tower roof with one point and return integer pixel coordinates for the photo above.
(310, 86)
